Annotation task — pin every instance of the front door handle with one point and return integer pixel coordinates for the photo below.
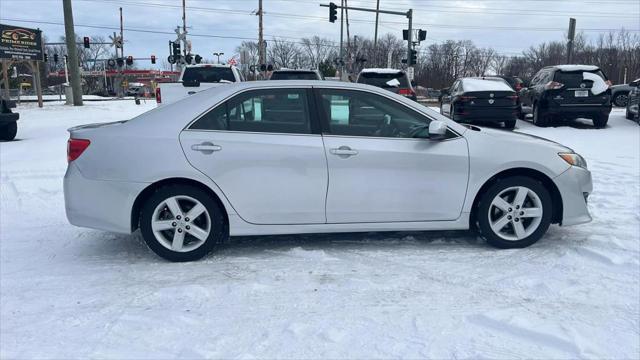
(206, 147)
(344, 151)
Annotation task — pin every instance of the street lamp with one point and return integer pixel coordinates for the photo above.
(218, 54)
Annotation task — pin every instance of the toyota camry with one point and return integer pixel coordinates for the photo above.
(290, 157)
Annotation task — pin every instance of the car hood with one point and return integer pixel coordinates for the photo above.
(518, 137)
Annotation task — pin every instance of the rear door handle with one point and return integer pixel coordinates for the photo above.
(344, 151)
(206, 147)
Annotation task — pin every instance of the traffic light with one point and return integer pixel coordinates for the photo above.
(414, 57)
(198, 59)
(422, 35)
(86, 42)
(55, 58)
(176, 48)
(405, 34)
(333, 12)
(129, 60)
(46, 57)
(153, 59)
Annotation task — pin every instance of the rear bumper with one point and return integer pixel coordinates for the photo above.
(586, 110)
(575, 186)
(488, 115)
(97, 204)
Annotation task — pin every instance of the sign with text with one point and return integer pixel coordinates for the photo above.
(20, 43)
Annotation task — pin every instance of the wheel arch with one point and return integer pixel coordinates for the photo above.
(149, 190)
(556, 197)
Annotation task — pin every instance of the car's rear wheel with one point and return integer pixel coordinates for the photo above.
(514, 212)
(510, 124)
(540, 117)
(600, 121)
(8, 131)
(182, 223)
(621, 99)
(628, 115)
(521, 114)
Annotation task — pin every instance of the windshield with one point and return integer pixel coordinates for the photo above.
(294, 75)
(384, 80)
(208, 74)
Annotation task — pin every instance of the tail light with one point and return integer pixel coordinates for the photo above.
(467, 98)
(518, 86)
(158, 95)
(406, 92)
(609, 83)
(553, 85)
(75, 148)
(513, 97)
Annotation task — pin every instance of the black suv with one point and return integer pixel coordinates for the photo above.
(8, 120)
(568, 92)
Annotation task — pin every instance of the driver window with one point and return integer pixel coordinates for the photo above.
(356, 113)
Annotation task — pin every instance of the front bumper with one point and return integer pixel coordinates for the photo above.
(98, 204)
(575, 186)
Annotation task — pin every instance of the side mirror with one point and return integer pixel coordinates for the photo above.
(437, 130)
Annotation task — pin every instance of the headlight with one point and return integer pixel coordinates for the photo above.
(574, 159)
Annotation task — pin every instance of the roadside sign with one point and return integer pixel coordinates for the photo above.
(232, 62)
(410, 73)
(20, 43)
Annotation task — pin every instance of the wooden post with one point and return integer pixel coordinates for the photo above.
(5, 78)
(38, 82)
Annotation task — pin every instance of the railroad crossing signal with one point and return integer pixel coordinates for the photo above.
(129, 60)
(333, 12)
(175, 45)
(198, 59)
(86, 42)
(153, 59)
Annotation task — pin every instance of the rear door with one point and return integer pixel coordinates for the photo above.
(261, 149)
(378, 172)
(580, 89)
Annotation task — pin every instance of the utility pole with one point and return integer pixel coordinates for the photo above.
(118, 85)
(342, 77)
(375, 35)
(260, 39)
(572, 34)
(70, 36)
(184, 16)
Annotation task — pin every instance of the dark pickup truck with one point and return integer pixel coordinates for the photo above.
(8, 120)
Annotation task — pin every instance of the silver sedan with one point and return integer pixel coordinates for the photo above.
(283, 157)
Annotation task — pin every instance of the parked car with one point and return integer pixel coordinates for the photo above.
(289, 157)
(488, 99)
(620, 93)
(196, 78)
(295, 74)
(393, 80)
(8, 120)
(569, 92)
(632, 112)
(516, 84)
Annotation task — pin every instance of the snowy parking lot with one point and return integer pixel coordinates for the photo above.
(68, 292)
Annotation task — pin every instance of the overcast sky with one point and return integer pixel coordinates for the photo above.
(509, 26)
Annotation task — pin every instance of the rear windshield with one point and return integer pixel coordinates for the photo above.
(573, 79)
(208, 74)
(294, 75)
(384, 80)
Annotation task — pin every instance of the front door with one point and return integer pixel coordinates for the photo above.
(378, 172)
(258, 147)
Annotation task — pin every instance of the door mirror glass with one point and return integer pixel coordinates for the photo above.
(437, 130)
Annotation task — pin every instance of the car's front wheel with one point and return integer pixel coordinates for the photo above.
(514, 212)
(182, 223)
(621, 99)
(8, 131)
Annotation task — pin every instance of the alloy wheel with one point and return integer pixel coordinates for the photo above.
(181, 223)
(515, 213)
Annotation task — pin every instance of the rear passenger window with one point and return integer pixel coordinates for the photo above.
(268, 110)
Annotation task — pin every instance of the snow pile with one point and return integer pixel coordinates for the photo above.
(67, 292)
(473, 84)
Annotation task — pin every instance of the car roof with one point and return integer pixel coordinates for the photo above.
(382, 70)
(296, 70)
(573, 67)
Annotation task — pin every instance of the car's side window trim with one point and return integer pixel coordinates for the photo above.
(324, 118)
(305, 90)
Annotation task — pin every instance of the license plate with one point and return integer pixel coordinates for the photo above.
(582, 93)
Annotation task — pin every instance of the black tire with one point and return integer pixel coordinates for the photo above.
(521, 115)
(621, 99)
(510, 124)
(218, 229)
(600, 121)
(484, 206)
(628, 115)
(8, 131)
(540, 117)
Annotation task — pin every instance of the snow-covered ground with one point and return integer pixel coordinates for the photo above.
(68, 292)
